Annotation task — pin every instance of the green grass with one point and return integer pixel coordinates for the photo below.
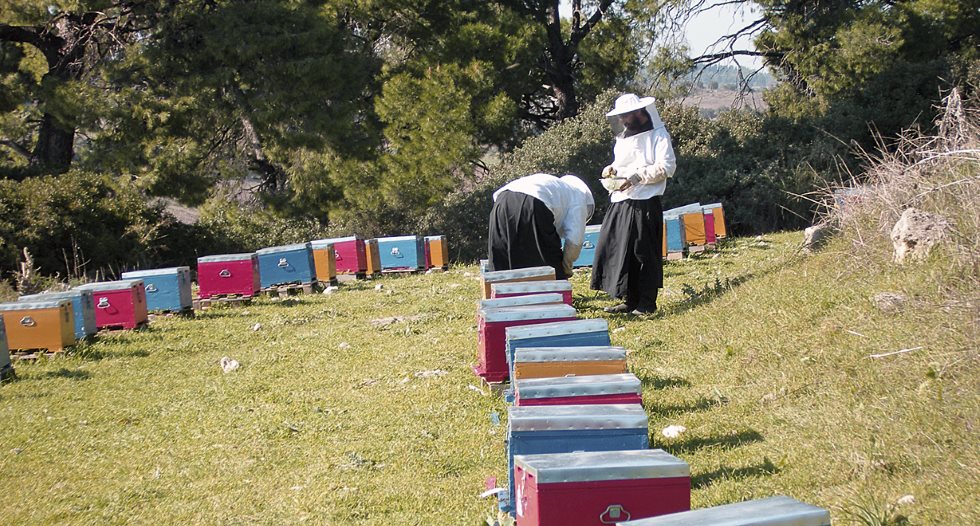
(762, 354)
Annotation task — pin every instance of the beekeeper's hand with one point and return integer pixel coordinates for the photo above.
(610, 184)
(609, 171)
(632, 180)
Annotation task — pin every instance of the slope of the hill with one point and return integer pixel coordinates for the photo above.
(359, 407)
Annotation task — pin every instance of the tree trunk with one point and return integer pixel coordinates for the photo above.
(563, 88)
(55, 145)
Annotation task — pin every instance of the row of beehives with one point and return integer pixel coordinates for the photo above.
(577, 433)
(54, 321)
(689, 228)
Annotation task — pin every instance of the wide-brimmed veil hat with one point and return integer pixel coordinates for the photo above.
(630, 102)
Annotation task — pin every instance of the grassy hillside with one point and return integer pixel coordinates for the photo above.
(359, 407)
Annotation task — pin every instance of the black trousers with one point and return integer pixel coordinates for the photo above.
(522, 234)
(628, 258)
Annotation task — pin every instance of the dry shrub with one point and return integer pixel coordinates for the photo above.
(939, 174)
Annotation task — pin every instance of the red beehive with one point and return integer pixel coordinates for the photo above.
(118, 304)
(599, 488)
(228, 274)
(492, 338)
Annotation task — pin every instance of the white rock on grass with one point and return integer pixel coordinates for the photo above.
(673, 431)
(256, 327)
(379, 286)
(916, 233)
(229, 364)
(344, 345)
(331, 289)
(906, 500)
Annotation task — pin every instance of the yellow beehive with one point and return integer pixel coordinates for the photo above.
(46, 325)
(373, 257)
(694, 228)
(438, 251)
(510, 276)
(324, 261)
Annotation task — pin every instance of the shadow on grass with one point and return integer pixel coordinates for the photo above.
(648, 380)
(701, 404)
(729, 441)
(762, 469)
(94, 354)
(71, 374)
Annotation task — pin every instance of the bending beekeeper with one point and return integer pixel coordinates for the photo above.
(530, 218)
(628, 261)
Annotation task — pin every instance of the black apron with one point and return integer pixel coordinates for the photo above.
(628, 257)
(522, 234)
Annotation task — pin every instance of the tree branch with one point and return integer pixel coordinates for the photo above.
(23, 152)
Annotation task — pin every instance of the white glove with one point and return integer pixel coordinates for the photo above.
(609, 171)
(611, 184)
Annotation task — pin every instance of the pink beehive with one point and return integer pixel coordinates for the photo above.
(492, 324)
(118, 304)
(623, 388)
(709, 227)
(350, 253)
(599, 488)
(228, 274)
(524, 288)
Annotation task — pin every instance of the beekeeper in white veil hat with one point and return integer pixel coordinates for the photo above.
(628, 261)
(530, 218)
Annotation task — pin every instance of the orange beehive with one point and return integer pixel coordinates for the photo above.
(46, 325)
(438, 251)
(694, 228)
(663, 236)
(550, 362)
(324, 261)
(373, 257)
(521, 274)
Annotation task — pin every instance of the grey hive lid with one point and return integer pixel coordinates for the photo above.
(593, 229)
(35, 305)
(225, 257)
(340, 239)
(284, 248)
(773, 511)
(523, 287)
(48, 296)
(321, 243)
(568, 354)
(398, 238)
(154, 272)
(686, 209)
(558, 328)
(428, 238)
(603, 465)
(712, 205)
(590, 385)
(521, 273)
(101, 286)
(528, 312)
(514, 301)
(576, 417)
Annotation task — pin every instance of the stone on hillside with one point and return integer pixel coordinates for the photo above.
(815, 236)
(889, 301)
(228, 364)
(916, 233)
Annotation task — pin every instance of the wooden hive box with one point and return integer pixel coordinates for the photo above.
(228, 275)
(167, 289)
(537, 430)
(773, 511)
(286, 265)
(709, 228)
(324, 261)
(525, 288)
(350, 254)
(543, 273)
(675, 235)
(587, 256)
(438, 251)
(491, 337)
(48, 324)
(576, 333)
(401, 253)
(623, 388)
(694, 228)
(718, 213)
(372, 256)
(550, 362)
(82, 305)
(596, 488)
(118, 304)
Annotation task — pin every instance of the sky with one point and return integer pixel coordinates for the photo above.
(707, 28)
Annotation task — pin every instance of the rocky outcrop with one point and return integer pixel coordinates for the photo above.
(916, 233)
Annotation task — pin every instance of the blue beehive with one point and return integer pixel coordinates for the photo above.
(402, 253)
(675, 233)
(587, 256)
(6, 368)
(167, 289)
(286, 265)
(82, 305)
(773, 511)
(566, 428)
(576, 333)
